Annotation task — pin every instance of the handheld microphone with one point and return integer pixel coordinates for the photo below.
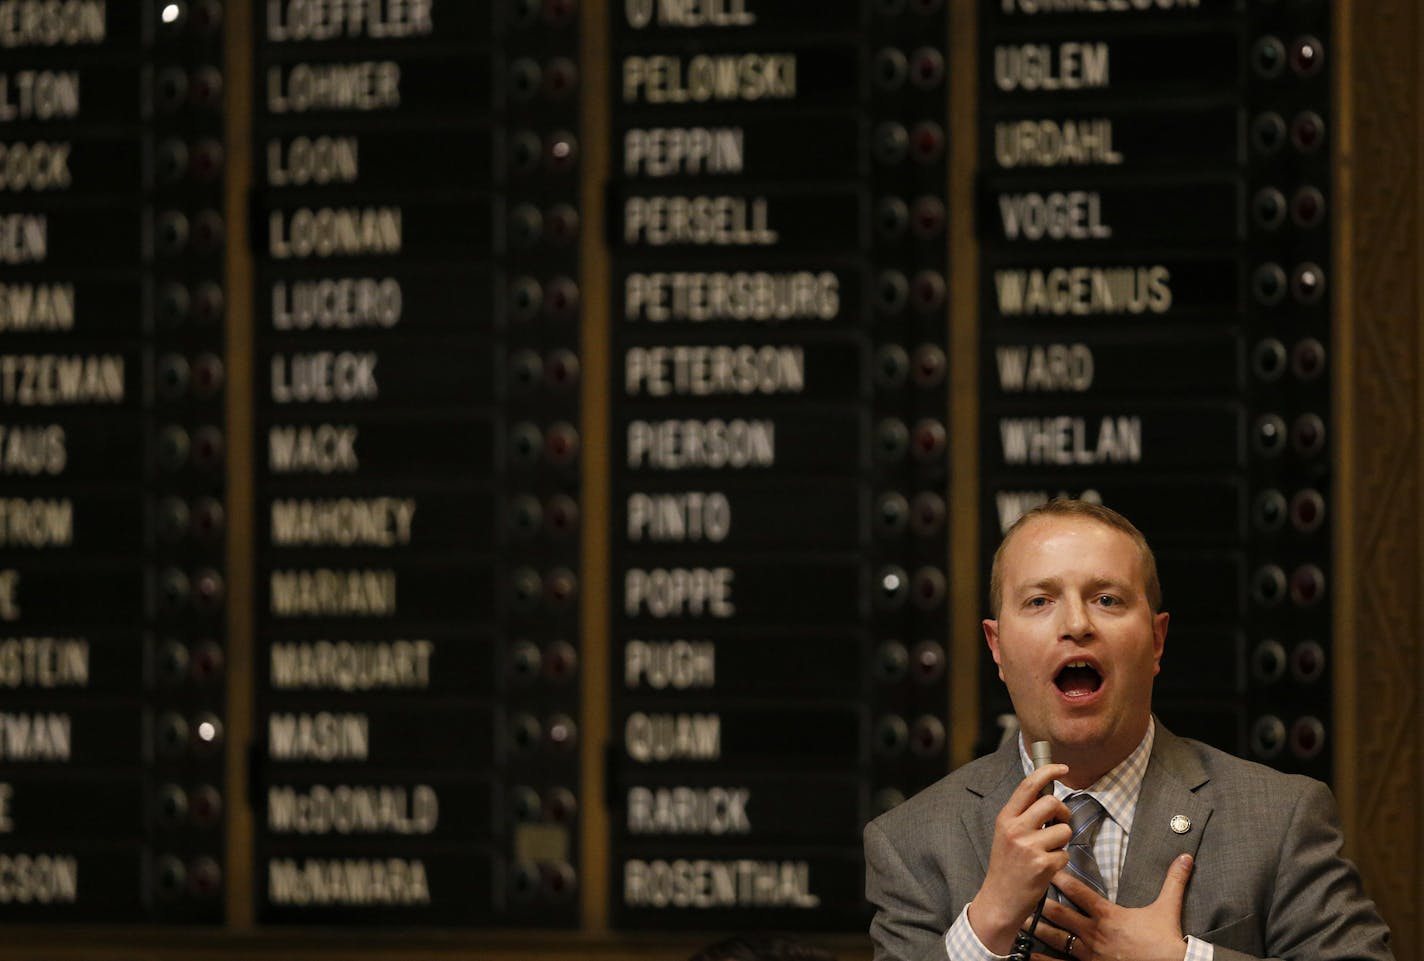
(1041, 754)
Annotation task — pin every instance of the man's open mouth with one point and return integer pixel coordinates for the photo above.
(1078, 678)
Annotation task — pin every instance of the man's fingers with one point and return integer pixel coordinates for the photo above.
(1062, 916)
(1086, 898)
(1174, 885)
(1032, 786)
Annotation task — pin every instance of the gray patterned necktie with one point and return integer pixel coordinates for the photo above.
(1087, 817)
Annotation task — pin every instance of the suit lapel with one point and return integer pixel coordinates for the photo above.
(1174, 774)
(994, 787)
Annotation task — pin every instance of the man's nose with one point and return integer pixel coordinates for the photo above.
(1077, 621)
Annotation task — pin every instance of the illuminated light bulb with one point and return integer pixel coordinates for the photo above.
(170, 13)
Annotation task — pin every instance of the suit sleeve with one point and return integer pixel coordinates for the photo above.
(909, 922)
(1317, 909)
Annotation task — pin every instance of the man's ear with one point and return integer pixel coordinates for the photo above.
(991, 636)
(1159, 640)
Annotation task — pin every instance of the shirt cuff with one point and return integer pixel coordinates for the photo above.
(962, 944)
(1199, 950)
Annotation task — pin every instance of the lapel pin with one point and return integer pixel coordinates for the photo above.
(1180, 824)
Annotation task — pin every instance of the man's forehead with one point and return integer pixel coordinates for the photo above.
(1034, 540)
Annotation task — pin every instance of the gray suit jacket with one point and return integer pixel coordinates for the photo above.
(1269, 879)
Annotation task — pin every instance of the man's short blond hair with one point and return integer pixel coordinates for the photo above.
(1068, 507)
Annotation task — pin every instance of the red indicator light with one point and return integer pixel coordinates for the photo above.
(561, 516)
(926, 68)
(1307, 585)
(927, 141)
(1308, 359)
(560, 78)
(928, 219)
(1307, 131)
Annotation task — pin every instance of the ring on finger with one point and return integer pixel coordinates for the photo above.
(1068, 945)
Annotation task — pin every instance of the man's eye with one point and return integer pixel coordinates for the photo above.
(1037, 601)
(1107, 600)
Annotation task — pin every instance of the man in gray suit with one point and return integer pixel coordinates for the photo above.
(1178, 851)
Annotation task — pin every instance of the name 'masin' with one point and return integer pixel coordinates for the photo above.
(324, 737)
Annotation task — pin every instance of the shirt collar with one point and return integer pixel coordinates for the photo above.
(1116, 790)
